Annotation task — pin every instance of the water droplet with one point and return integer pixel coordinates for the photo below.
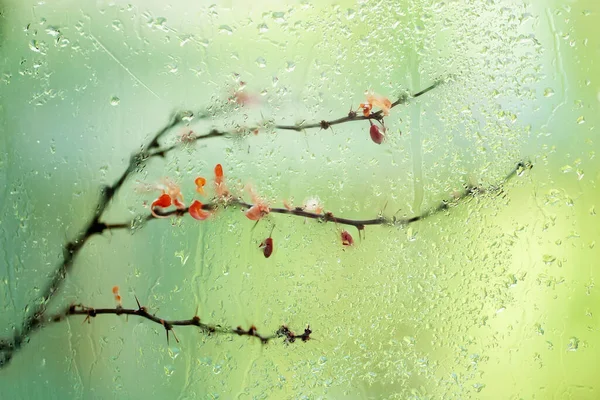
(34, 46)
(478, 387)
(548, 92)
(63, 42)
(261, 62)
(566, 169)
(114, 101)
(262, 28)
(117, 25)
(290, 66)
(581, 120)
(169, 370)
(548, 259)
(573, 344)
(279, 17)
(226, 29)
(52, 31)
(350, 14)
(538, 329)
(174, 352)
(411, 235)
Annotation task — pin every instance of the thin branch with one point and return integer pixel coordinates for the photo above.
(353, 116)
(94, 226)
(141, 311)
(467, 192)
(72, 248)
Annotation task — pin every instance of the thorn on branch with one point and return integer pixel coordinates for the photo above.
(169, 328)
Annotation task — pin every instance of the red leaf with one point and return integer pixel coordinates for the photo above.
(267, 246)
(376, 135)
(163, 201)
(197, 212)
(347, 239)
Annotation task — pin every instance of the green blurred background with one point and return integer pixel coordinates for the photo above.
(495, 299)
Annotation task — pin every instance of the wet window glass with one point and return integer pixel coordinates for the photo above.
(303, 199)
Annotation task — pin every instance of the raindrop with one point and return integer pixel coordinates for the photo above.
(117, 25)
(35, 46)
(573, 344)
(548, 92)
(226, 29)
(114, 101)
(279, 17)
(52, 31)
(174, 352)
(411, 235)
(262, 28)
(538, 329)
(169, 370)
(173, 68)
(290, 66)
(566, 169)
(581, 120)
(137, 223)
(478, 387)
(261, 62)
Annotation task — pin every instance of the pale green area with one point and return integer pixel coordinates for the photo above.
(494, 300)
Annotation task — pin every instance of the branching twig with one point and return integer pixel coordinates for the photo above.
(360, 224)
(141, 311)
(353, 116)
(72, 248)
(34, 318)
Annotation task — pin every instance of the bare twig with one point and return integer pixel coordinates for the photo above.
(467, 192)
(72, 248)
(94, 226)
(141, 311)
(353, 116)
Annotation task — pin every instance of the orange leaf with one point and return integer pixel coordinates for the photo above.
(163, 201)
(218, 173)
(200, 182)
(197, 212)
